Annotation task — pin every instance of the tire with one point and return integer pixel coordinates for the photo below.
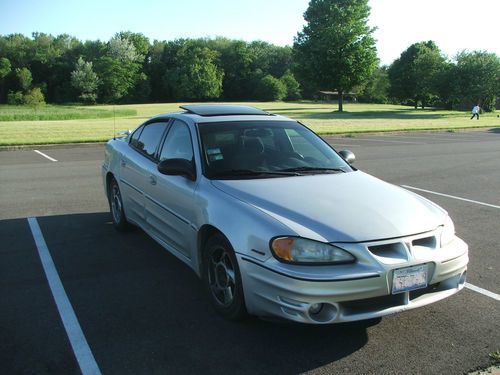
(116, 207)
(222, 278)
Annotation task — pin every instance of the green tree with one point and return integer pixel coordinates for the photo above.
(478, 78)
(15, 98)
(85, 81)
(155, 69)
(18, 49)
(414, 75)
(447, 86)
(92, 50)
(336, 49)
(195, 74)
(270, 59)
(236, 60)
(122, 49)
(271, 88)
(292, 86)
(130, 50)
(376, 89)
(116, 78)
(24, 78)
(52, 65)
(245, 64)
(138, 40)
(5, 67)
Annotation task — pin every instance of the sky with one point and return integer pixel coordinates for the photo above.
(454, 25)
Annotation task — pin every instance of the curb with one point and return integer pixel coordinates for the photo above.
(50, 146)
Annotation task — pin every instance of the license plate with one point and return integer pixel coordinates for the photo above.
(409, 278)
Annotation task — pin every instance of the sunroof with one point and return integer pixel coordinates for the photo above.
(222, 110)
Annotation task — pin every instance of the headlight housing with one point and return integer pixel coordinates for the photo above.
(448, 232)
(303, 251)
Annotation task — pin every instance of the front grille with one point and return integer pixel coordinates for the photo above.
(420, 292)
(429, 242)
(373, 304)
(389, 253)
(384, 302)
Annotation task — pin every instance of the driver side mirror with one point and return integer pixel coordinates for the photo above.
(348, 156)
(178, 167)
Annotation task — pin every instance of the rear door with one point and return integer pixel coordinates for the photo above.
(135, 166)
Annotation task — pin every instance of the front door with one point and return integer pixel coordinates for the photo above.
(170, 206)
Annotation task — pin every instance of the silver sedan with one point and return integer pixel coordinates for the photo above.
(276, 222)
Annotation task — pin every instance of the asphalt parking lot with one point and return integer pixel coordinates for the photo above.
(139, 310)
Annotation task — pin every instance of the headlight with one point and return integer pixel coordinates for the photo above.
(303, 251)
(448, 233)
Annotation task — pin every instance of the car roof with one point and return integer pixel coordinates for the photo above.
(202, 113)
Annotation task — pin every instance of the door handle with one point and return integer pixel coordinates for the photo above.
(152, 180)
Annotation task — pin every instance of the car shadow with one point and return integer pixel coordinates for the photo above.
(494, 130)
(144, 311)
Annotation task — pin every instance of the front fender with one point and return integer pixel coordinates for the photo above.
(247, 228)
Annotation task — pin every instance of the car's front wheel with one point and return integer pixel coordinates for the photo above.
(116, 207)
(223, 279)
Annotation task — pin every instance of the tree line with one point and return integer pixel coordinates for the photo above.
(131, 69)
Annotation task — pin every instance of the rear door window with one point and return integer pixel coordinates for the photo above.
(150, 138)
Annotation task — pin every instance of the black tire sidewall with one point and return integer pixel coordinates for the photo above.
(121, 225)
(237, 309)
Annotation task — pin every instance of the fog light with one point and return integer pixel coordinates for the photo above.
(315, 308)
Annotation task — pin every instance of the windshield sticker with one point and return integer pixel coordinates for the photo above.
(214, 154)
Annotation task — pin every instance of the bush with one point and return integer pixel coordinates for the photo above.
(34, 98)
(292, 86)
(270, 88)
(15, 98)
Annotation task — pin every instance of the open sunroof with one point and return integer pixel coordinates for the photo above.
(223, 110)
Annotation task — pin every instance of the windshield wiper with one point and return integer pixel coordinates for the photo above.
(313, 169)
(254, 173)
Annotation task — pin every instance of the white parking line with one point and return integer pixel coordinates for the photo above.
(369, 138)
(44, 155)
(82, 351)
(433, 137)
(451, 196)
(345, 144)
(483, 291)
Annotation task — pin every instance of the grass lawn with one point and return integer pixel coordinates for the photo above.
(321, 117)
(59, 112)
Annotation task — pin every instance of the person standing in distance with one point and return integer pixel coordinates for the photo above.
(475, 111)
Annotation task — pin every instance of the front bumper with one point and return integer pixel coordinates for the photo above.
(271, 291)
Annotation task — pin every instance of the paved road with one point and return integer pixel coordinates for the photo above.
(142, 311)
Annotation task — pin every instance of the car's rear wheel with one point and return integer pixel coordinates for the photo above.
(116, 207)
(223, 279)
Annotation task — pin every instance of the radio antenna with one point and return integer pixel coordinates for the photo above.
(114, 123)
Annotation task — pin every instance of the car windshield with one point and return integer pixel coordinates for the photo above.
(265, 149)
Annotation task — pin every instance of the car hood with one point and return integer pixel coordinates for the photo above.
(345, 207)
